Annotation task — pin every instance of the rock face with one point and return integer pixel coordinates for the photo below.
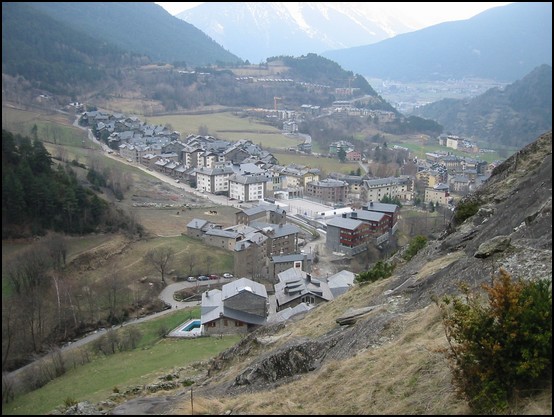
(512, 229)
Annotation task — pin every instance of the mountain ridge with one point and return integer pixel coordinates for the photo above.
(512, 116)
(145, 28)
(503, 43)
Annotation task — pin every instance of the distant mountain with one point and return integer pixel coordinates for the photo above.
(514, 116)
(144, 28)
(257, 30)
(503, 44)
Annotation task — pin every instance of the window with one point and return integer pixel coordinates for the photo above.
(238, 323)
(308, 299)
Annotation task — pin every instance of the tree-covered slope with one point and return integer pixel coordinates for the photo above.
(53, 56)
(511, 117)
(144, 28)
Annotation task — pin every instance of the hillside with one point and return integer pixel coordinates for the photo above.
(513, 116)
(54, 57)
(143, 28)
(390, 360)
(503, 44)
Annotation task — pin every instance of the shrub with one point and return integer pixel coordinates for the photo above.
(70, 402)
(464, 210)
(378, 271)
(416, 244)
(500, 351)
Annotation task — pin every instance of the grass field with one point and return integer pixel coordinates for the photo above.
(327, 165)
(420, 149)
(227, 126)
(96, 380)
(53, 128)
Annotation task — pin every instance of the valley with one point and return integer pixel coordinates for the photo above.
(350, 220)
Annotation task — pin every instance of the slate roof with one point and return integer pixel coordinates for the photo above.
(279, 230)
(197, 223)
(213, 302)
(288, 312)
(294, 284)
(341, 282)
(349, 224)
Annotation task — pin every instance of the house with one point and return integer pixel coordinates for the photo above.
(280, 263)
(439, 194)
(296, 286)
(247, 187)
(378, 222)
(355, 183)
(393, 187)
(213, 180)
(390, 210)
(353, 156)
(292, 179)
(238, 308)
(349, 236)
(197, 227)
(340, 282)
(269, 213)
(250, 256)
(328, 190)
(289, 312)
(222, 238)
(282, 238)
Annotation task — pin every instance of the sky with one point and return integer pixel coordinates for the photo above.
(423, 13)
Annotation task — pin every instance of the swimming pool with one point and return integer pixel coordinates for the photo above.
(191, 325)
(190, 328)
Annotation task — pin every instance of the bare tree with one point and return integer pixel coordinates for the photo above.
(56, 245)
(208, 262)
(190, 260)
(28, 276)
(161, 259)
(115, 288)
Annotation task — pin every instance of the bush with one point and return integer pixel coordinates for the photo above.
(464, 210)
(416, 244)
(380, 270)
(501, 351)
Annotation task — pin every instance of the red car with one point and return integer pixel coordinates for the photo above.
(214, 276)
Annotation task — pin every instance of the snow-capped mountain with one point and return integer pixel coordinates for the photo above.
(258, 30)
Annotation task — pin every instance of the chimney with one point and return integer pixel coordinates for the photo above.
(344, 215)
(309, 277)
(371, 204)
(353, 215)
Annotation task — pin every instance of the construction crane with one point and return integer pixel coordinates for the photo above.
(275, 101)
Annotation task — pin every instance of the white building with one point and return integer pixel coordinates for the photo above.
(247, 187)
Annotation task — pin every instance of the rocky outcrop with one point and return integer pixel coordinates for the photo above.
(492, 246)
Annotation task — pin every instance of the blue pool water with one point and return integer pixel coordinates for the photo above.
(194, 324)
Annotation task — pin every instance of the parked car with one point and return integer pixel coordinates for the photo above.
(227, 275)
(191, 279)
(214, 276)
(203, 278)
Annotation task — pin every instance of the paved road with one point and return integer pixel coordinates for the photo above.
(166, 295)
